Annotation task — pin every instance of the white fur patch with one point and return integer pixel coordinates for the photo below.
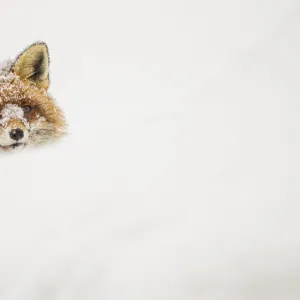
(12, 111)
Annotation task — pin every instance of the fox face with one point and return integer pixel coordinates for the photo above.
(28, 114)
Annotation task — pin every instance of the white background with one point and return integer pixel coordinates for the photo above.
(180, 176)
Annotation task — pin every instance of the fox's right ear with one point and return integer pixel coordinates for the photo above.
(33, 64)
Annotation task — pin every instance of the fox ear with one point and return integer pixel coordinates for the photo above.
(33, 64)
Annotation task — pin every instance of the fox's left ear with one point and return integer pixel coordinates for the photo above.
(33, 64)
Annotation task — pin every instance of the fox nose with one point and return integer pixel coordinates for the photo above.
(16, 134)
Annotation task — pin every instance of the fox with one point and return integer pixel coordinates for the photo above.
(29, 115)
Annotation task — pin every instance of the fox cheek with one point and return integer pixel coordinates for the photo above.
(41, 132)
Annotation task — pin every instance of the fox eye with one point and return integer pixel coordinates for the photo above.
(27, 108)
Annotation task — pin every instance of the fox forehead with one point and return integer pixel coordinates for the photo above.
(22, 92)
(17, 91)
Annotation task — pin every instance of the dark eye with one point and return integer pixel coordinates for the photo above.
(27, 109)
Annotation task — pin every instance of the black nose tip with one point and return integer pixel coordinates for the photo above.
(16, 134)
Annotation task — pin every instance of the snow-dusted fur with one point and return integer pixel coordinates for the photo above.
(25, 104)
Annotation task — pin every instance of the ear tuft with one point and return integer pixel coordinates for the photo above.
(33, 64)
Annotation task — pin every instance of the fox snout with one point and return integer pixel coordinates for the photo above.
(16, 134)
(15, 129)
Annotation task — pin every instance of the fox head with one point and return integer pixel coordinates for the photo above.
(28, 114)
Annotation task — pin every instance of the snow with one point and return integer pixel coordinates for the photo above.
(179, 178)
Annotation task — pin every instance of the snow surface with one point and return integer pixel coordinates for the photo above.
(180, 176)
